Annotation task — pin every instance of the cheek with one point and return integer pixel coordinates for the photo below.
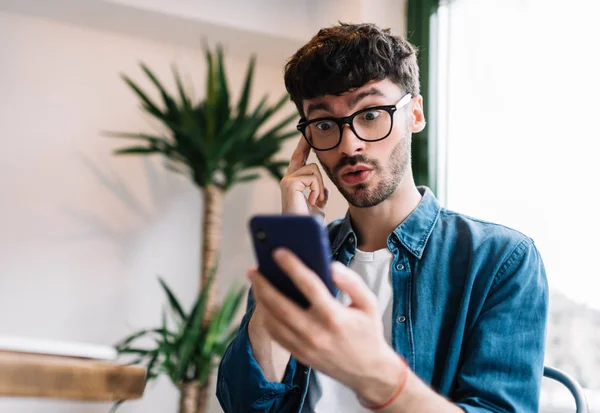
(327, 159)
(401, 128)
(382, 149)
(398, 137)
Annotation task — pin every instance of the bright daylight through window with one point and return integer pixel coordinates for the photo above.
(518, 84)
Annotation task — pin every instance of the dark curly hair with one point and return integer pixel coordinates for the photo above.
(348, 56)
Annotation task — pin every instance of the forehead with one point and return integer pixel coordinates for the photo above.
(382, 88)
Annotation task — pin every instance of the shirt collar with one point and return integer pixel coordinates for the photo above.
(413, 232)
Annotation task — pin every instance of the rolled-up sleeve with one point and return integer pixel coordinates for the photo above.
(241, 384)
(502, 364)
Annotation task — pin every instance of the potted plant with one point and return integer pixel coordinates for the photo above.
(217, 145)
(184, 349)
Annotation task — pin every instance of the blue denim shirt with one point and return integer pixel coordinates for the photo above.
(470, 302)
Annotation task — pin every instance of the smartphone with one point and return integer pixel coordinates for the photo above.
(301, 234)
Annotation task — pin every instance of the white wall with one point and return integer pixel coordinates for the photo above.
(275, 17)
(386, 13)
(84, 234)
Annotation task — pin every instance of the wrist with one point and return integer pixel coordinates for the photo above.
(256, 329)
(270, 356)
(381, 391)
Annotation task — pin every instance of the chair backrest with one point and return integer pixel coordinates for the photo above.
(574, 387)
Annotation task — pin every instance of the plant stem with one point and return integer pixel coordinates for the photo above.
(189, 398)
(211, 242)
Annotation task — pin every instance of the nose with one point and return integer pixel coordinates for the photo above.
(350, 143)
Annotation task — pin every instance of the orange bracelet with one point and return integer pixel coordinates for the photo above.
(396, 393)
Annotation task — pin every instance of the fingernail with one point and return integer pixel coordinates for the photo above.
(279, 254)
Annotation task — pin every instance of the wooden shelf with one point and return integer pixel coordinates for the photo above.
(42, 376)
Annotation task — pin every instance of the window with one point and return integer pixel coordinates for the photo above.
(518, 121)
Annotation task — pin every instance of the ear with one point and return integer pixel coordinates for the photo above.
(417, 116)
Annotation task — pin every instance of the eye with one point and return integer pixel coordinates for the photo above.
(371, 115)
(324, 125)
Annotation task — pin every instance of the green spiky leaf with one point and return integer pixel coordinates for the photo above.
(185, 100)
(169, 102)
(192, 331)
(136, 150)
(242, 106)
(173, 302)
(210, 137)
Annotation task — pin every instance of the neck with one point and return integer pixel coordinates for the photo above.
(373, 225)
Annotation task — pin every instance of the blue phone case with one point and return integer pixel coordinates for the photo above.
(303, 235)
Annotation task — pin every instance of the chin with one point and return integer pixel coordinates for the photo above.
(359, 196)
(364, 202)
(368, 194)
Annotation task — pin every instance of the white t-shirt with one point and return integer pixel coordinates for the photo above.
(326, 395)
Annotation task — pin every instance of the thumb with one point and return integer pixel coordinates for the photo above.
(321, 202)
(350, 282)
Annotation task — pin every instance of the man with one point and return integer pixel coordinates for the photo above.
(442, 312)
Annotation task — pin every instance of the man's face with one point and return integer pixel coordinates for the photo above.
(367, 173)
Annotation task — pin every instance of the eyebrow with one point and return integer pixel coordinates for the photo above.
(317, 106)
(352, 102)
(369, 92)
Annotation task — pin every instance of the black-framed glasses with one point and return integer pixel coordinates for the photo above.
(370, 124)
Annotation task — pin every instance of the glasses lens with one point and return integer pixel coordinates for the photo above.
(370, 125)
(373, 125)
(323, 134)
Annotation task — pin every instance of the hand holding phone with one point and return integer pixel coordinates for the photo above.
(301, 234)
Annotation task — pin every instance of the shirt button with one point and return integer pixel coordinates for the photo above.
(401, 319)
(351, 239)
(399, 267)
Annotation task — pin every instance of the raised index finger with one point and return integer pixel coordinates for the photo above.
(299, 156)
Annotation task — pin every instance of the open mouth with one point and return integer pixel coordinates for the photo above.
(356, 175)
